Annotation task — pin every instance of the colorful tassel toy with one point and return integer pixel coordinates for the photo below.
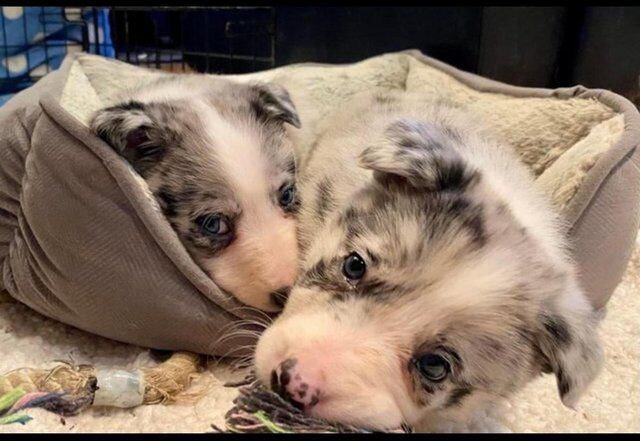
(259, 410)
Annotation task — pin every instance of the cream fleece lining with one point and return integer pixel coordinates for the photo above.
(560, 139)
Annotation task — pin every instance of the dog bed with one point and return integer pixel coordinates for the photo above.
(82, 241)
(610, 405)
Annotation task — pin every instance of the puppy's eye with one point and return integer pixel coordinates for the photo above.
(433, 367)
(287, 196)
(213, 225)
(354, 267)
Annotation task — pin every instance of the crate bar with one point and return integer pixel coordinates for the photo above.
(45, 42)
(26, 40)
(126, 35)
(207, 42)
(182, 14)
(274, 34)
(155, 39)
(113, 26)
(230, 56)
(96, 32)
(6, 45)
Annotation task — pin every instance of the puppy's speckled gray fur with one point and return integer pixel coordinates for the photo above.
(195, 139)
(464, 259)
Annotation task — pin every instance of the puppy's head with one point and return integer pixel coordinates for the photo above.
(424, 297)
(215, 155)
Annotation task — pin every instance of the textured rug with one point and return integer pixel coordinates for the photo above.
(612, 404)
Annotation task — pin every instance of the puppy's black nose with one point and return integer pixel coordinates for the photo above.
(279, 297)
(281, 382)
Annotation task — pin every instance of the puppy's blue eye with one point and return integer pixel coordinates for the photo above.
(433, 367)
(354, 267)
(287, 196)
(213, 225)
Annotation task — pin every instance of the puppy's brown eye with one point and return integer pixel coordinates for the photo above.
(432, 366)
(354, 267)
(213, 225)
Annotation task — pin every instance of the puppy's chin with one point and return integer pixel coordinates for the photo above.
(260, 300)
(243, 287)
(259, 297)
(377, 411)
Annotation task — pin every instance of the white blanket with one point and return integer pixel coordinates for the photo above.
(612, 404)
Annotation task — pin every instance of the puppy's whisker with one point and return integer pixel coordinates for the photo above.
(237, 335)
(224, 338)
(240, 325)
(231, 351)
(259, 324)
(268, 318)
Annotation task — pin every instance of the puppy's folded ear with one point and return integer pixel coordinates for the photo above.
(422, 154)
(569, 343)
(131, 130)
(273, 102)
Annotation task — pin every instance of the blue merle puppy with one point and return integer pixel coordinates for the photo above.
(216, 155)
(434, 278)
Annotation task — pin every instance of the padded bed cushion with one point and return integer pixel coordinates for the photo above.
(83, 242)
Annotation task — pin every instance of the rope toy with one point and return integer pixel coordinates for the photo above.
(67, 389)
(259, 410)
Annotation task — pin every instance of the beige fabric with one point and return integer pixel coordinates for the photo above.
(611, 404)
(81, 240)
(546, 127)
(563, 178)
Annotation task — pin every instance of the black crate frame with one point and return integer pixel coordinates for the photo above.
(175, 59)
(215, 62)
(46, 18)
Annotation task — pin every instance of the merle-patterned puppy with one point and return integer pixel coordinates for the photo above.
(216, 156)
(434, 277)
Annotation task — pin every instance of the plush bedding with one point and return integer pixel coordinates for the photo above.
(611, 404)
(82, 242)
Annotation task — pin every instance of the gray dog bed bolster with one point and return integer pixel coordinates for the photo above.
(82, 241)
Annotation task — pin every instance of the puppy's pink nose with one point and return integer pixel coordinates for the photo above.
(302, 387)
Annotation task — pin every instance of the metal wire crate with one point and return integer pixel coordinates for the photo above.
(34, 40)
(204, 39)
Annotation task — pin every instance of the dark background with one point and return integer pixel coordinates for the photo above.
(528, 46)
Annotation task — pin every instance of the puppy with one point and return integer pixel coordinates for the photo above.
(216, 156)
(434, 277)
